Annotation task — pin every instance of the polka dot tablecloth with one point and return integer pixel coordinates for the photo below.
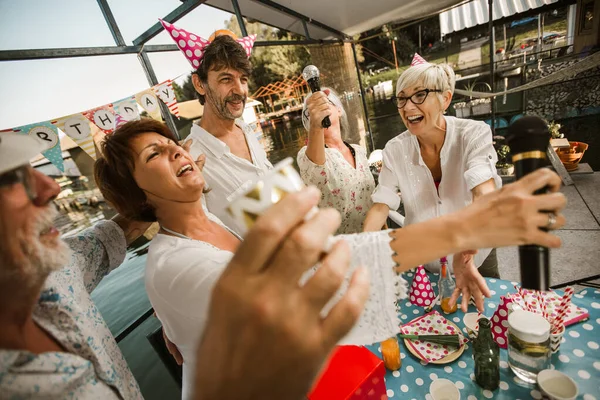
(578, 357)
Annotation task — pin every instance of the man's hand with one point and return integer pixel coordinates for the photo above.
(469, 281)
(265, 336)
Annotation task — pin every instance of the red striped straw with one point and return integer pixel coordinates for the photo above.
(563, 308)
(540, 299)
(525, 302)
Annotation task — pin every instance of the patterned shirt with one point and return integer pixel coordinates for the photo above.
(225, 172)
(343, 187)
(93, 367)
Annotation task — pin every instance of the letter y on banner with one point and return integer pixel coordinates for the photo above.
(165, 92)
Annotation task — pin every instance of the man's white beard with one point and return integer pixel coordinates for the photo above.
(41, 260)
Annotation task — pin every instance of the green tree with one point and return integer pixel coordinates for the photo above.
(273, 63)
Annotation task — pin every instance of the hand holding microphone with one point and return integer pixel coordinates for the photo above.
(528, 139)
(311, 76)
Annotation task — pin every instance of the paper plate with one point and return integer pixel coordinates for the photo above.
(429, 324)
(455, 355)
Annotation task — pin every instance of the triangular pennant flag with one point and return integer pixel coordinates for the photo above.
(165, 92)
(421, 292)
(127, 108)
(149, 102)
(77, 127)
(49, 135)
(417, 60)
(119, 122)
(103, 117)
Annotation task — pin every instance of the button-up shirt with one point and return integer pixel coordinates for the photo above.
(225, 172)
(93, 366)
(467, 159)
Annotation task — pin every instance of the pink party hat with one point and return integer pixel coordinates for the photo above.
(421, 292)
(500, 321)
(193, 46)
(417, 60)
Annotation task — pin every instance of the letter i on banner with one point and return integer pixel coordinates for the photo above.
(147, 99)
(165, 92)
(103, 117)
(49, 135)
(77, 127)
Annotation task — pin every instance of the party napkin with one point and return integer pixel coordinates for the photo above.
(421, 292)
(552, 300)
(500, 321)
(431, 324)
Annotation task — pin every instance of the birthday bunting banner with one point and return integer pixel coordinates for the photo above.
(127, 109)
(165, 92)
(107, 118)
(78, 128)
(147, 99)
(103, 117)
(49, 135)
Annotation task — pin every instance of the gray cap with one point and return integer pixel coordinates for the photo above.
(17, 149)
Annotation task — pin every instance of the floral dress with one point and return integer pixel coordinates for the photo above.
(343, 187)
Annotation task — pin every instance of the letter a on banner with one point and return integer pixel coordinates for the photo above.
(147, 99)
(103, 117)
(165, 92)
(48, 135)
(77, 127)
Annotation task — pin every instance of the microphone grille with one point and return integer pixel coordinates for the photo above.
(527, 134)
(310, 72)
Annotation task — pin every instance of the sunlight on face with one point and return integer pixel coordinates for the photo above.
(421, 118)
(165, 171)
(227, 92)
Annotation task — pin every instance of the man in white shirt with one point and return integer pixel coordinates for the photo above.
(54, 343)
(233, 154)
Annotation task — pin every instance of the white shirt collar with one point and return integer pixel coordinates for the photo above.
(216, 146)
(418, 159)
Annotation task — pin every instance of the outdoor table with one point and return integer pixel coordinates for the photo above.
(578, 356)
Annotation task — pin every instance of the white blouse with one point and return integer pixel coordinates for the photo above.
(343, 187)
(468, 159)
(181, 273)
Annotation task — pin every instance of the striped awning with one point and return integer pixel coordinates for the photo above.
(476, 13)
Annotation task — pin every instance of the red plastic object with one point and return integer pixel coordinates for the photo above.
(353, 373)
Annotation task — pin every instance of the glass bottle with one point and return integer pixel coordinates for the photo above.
(446, 287)
(486, 354)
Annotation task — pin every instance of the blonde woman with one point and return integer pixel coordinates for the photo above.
(439, 165)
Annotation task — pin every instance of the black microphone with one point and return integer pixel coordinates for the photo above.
(311, 76)
(528, 139)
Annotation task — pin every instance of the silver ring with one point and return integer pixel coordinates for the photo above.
(551, 220)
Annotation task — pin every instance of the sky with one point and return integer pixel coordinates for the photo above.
(40, 90)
